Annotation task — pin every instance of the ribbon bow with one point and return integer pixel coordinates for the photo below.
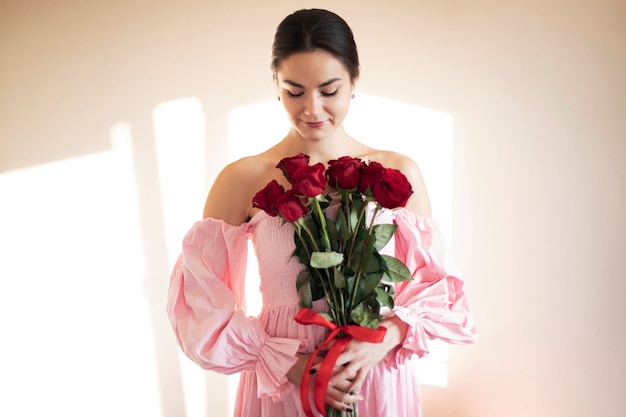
(352, 331)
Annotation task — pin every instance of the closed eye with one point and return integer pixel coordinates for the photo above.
(325, 94)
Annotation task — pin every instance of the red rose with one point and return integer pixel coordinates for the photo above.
(392, 189)
(370, 174)
(290, 206)
(291, 164)
(309, 181)
(267, 197)
(344, 173)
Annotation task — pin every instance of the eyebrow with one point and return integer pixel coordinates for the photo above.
(322, 85)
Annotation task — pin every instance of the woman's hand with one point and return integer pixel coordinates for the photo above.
(355, 362)
(294, 375)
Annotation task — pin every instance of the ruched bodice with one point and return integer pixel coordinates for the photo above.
(273, 245)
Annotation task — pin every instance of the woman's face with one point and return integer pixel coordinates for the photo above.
(315, 89)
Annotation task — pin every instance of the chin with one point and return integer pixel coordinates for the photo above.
(315, 138)
(316, 134)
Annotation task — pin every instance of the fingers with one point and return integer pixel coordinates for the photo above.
(338, 397)
(348, 377)
(349, 372)
(344, 387)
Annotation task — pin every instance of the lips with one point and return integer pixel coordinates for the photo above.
(315, 125)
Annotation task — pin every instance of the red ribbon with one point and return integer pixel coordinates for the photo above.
(352, 331)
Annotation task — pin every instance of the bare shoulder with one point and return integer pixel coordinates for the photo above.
(230, 197)
(419, 203)
(397, 161)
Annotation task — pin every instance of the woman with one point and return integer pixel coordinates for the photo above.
(315, 66)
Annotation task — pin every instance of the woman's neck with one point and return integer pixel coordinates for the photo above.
(324, 150)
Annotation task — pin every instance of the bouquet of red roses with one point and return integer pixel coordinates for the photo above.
(340, 254)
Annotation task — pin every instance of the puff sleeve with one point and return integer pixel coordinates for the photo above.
(433, 304)
(206, 309)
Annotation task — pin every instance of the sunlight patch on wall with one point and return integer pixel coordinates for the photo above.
(423, 134)
(73, 307)
(179, 130)
(252, 129)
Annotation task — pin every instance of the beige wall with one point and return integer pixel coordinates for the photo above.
(538, 95)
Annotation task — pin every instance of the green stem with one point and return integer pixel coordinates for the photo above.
(341, 320)
(351, 231)
(363, 257)
(340, 302)
(333, 412)
(327, 288)
(302, 225)
(323, 225)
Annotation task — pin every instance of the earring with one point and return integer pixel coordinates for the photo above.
(278, 98)
(352, 95)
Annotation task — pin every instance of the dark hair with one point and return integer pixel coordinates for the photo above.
(314, 29)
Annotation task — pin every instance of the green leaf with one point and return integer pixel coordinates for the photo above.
(340, 279)
(366, 314)
(327, 316)
(354, 218)
(312, 225)
(357, 255)
(371, 263)
(369, 282)
(303, 285)
(347, 271)
(342, 221)
(388, 288)
(359, 296)
(304, 240)
(301, 253)
(350, 281)
(384, 298)
(331, 228)
(396, 270)
(355, 212)
(383, 233)
(317, 291)
(326, 259)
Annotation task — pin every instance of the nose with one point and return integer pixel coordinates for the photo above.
(313, 105)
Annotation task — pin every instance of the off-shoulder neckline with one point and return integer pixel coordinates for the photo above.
(256, 218)
(261, 215)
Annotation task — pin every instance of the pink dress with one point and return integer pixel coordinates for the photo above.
(206, 307)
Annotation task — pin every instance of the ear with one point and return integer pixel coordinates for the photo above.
(275, 78)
